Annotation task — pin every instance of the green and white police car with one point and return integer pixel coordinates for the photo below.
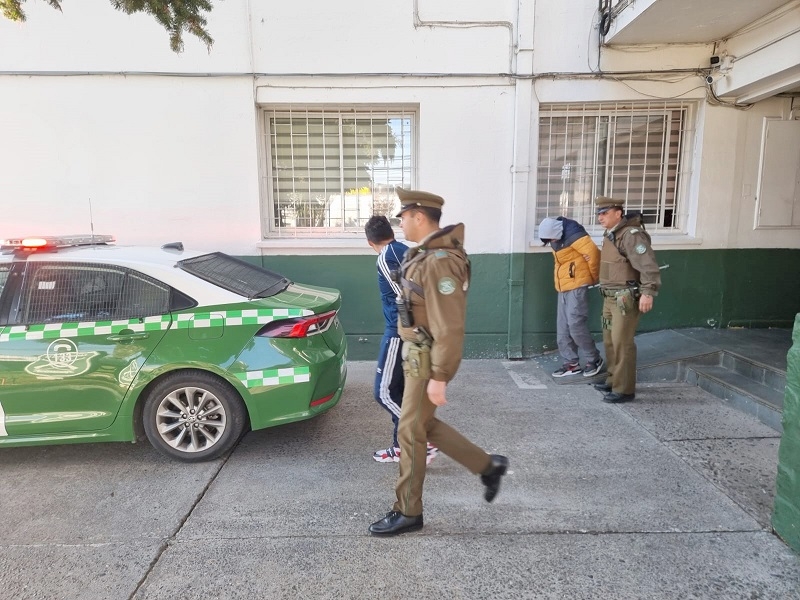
(100, 342)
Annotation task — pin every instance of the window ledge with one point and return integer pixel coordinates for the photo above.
(660, 240)
(679, 240)
(300, 245)
(665, 240)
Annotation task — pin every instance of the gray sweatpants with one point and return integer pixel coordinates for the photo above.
(573, 326)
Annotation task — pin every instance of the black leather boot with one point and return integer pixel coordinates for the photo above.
(491, 479)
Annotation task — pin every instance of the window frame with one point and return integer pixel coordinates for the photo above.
(602, 113)
(269, 232)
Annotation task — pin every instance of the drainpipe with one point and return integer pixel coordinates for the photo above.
(520, 171)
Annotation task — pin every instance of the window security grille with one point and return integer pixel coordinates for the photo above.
(64, 292)
(329, 171)
(634, 152)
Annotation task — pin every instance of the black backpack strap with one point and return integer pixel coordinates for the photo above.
(414, 287)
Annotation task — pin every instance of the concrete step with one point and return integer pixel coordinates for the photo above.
(745, 383)
(740, 391)
(675, 370)
(752, 369)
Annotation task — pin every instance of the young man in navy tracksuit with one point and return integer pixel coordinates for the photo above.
(389, 383)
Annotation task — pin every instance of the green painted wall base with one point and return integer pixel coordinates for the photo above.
(701, 288)
(786, 518)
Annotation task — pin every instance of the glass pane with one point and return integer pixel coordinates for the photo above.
(630, 152)
(638, 157)
(4, 271)
(68, 292)
(567, 151)
(143, 297)
(337, 171)
(235, 275)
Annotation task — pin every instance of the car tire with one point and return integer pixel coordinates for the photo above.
(193, 416)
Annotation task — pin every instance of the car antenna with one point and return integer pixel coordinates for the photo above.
(91, 220)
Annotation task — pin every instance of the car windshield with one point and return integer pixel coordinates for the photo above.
(235, 275)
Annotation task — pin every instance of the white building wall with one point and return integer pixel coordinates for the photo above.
(90, 36)
(727, 141)
(304, 36)
(169, 146)
(177, 157)
(151, 154)
(360, 36)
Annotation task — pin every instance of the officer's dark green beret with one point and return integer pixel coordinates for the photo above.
(416, 198)
(603, 203)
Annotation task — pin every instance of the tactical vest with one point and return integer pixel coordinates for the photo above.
(615, 269)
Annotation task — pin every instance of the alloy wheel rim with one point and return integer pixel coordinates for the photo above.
(191, 419)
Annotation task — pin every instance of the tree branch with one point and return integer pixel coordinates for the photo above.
(176, 16)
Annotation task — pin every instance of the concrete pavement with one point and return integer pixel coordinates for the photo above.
(667, 497)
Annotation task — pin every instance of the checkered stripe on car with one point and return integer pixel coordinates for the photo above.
(193, 320)
(264, 377)
(250, 316)
(59, 330)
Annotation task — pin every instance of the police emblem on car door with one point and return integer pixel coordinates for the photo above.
(89, 326)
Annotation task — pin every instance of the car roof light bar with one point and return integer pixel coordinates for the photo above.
(32, 244)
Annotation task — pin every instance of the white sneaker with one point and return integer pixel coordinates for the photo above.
(568, 369)
(386, 456)
(433, 452)
(594, 367)
(393, 455)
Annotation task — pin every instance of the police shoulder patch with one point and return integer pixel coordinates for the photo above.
(446, 286)
(633, 230)
(640, 248)
(440, 254)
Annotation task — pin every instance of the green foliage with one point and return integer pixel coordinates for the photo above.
(176, 16)
(12, 9)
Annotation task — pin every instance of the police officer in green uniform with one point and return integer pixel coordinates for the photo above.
(432, 312)
(629, 280)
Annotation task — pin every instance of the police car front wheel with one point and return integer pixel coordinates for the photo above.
(193, 416)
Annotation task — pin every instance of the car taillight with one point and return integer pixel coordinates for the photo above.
(298, 327)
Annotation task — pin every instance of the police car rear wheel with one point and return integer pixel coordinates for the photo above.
(193, 416)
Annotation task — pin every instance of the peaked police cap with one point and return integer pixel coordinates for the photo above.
(416, 198)
(603, 203)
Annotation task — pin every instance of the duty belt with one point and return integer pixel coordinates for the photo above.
(609, 293)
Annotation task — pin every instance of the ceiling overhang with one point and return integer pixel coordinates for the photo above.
(762, 39)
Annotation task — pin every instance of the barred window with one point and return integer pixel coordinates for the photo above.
(329, 170)
(636, 152)
(64, 292)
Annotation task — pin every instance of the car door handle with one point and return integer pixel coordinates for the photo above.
(124, 337)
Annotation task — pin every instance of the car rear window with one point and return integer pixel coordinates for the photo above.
(235, 275)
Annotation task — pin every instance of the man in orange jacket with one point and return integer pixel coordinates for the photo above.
(577, 266)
